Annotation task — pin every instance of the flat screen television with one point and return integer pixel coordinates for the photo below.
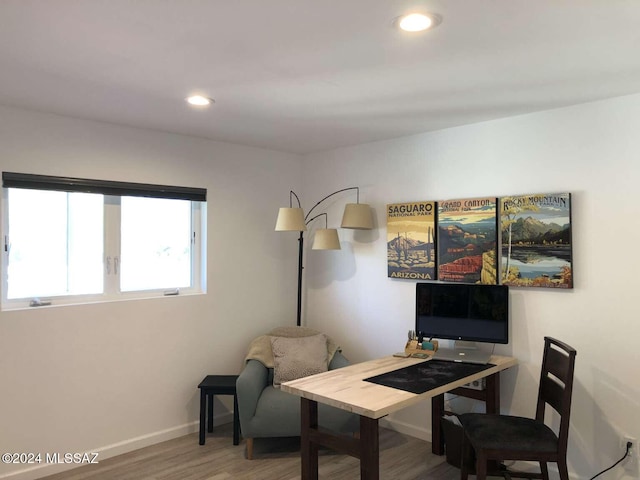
(463, 312)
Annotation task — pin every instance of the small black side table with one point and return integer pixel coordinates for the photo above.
(218, 385)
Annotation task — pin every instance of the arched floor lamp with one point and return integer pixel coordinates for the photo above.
(292, 219)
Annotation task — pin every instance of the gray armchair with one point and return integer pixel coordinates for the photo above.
(267, 411)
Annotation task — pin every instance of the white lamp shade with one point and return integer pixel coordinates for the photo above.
(290, 220)
(326, 239)
(357, 216)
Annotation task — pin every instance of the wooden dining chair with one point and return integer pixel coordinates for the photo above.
(504, 437)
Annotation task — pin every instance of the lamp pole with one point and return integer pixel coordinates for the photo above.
(300, 267)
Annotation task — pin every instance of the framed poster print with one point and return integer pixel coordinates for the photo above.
(411, 240)
(536, 240)
(468, 240)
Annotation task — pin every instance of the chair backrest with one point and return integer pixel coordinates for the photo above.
(556, 384)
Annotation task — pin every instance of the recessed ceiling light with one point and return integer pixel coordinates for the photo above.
(199, 100)
(418, 22)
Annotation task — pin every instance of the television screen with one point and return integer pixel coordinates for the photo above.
(474, 313)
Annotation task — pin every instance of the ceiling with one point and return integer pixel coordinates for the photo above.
(309, 75)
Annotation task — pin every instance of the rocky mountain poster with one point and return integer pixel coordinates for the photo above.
(467, 240)
(411, 240)
(536, 240)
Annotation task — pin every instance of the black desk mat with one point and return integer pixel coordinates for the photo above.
(425, 376)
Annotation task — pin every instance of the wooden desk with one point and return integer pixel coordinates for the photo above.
(345, 388)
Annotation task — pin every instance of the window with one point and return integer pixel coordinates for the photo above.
(74, 240)
(54, 244)
(155, 243)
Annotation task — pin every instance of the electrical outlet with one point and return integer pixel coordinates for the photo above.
(631, 462)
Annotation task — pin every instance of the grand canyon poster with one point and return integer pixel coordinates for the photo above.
(467, 240)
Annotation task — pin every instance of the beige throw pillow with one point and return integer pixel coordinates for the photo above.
(298, 357)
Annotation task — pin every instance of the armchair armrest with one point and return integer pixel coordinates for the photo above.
(338, 361)
(249, 386)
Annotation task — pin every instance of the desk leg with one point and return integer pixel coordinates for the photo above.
(369, 449)
(308, 449)
(203, 408)
(437, 411)
(493, 393)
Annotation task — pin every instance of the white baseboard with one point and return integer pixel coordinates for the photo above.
(112, 450)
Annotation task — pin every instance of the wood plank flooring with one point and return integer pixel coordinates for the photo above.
(401, 458)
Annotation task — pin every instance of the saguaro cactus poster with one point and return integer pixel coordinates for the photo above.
(411, 240)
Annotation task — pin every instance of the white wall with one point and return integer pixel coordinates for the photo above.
(114, 376)
(590, 150)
